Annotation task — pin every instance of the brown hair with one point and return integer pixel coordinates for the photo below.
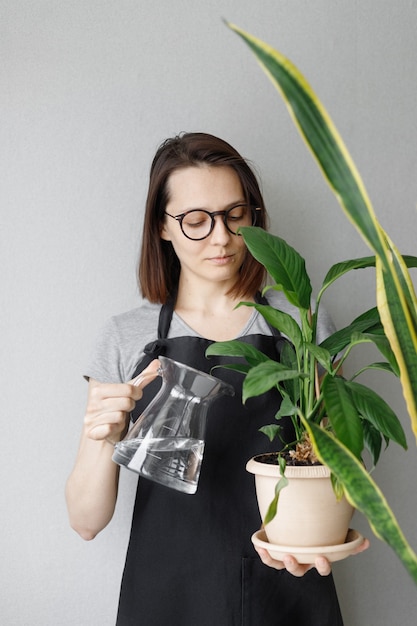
(159, 266)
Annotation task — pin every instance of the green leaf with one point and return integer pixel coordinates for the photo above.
(284, 322)
(342, 414)
(338, 341)
(271, 431)
(321, 136)
(381, 342)
(284, 264)
(321, 355)
(339, 269)
(264, 377)
(287, 408)
(409, 260)
(383, 367)
(291, 387)
(397, 303)
(363, 494)
(397, 300)
(281, 484)
(373, 441)
(235, 367)
(235, 348)
(337, 487)
(374, 408)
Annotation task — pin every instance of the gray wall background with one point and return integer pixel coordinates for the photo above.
(89, 88)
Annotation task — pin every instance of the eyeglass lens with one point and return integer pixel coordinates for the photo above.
(198, 224)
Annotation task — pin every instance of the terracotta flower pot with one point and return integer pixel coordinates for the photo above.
(308, 514)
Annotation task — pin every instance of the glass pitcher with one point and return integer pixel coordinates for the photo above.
(166, 443)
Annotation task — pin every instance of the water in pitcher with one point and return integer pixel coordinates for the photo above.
(172, 461)
(166, 442)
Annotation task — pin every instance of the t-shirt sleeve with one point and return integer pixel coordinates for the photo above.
(119, 345)
(105, 362)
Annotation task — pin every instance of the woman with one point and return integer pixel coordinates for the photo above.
(190, 559)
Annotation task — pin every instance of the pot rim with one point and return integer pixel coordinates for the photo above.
(291, 471)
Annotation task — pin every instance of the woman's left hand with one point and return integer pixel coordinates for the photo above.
(290, 563)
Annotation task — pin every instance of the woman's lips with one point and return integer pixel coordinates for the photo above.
(222, 260)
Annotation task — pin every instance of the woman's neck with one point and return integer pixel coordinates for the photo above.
(212, 313)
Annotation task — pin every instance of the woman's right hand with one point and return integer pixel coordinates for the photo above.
(91, 489)
(109, 405)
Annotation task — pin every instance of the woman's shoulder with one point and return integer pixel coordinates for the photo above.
(136, 319)
(132, 329)
(120, 343)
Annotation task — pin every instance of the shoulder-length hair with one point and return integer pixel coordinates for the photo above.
(159, 268)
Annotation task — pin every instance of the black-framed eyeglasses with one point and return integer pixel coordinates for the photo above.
(197, 224)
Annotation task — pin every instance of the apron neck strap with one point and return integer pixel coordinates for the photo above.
(165, 317)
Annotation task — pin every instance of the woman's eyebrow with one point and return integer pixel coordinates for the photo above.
(203, 208)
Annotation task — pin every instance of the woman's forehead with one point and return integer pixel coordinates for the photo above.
(201, 186)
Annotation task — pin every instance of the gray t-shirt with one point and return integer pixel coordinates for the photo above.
(119, 346)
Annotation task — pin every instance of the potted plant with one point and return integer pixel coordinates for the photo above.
(315, 395)
(339, 417)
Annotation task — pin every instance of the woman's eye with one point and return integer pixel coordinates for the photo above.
(197, 220)
(237, 213)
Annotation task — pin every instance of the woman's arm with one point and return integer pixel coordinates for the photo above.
(91, 489)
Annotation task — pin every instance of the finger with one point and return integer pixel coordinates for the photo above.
(122, 404)
(268, 560)
(364, 546)
(323, 566)
(108, 392)
(110, 410)
(294, 567)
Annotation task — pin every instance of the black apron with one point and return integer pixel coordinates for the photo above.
(190, 560)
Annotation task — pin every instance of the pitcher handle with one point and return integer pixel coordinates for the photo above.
(141, 377)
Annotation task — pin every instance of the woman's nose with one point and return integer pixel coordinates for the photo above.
(220, 232)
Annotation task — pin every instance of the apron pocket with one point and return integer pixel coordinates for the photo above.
(276, 598)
